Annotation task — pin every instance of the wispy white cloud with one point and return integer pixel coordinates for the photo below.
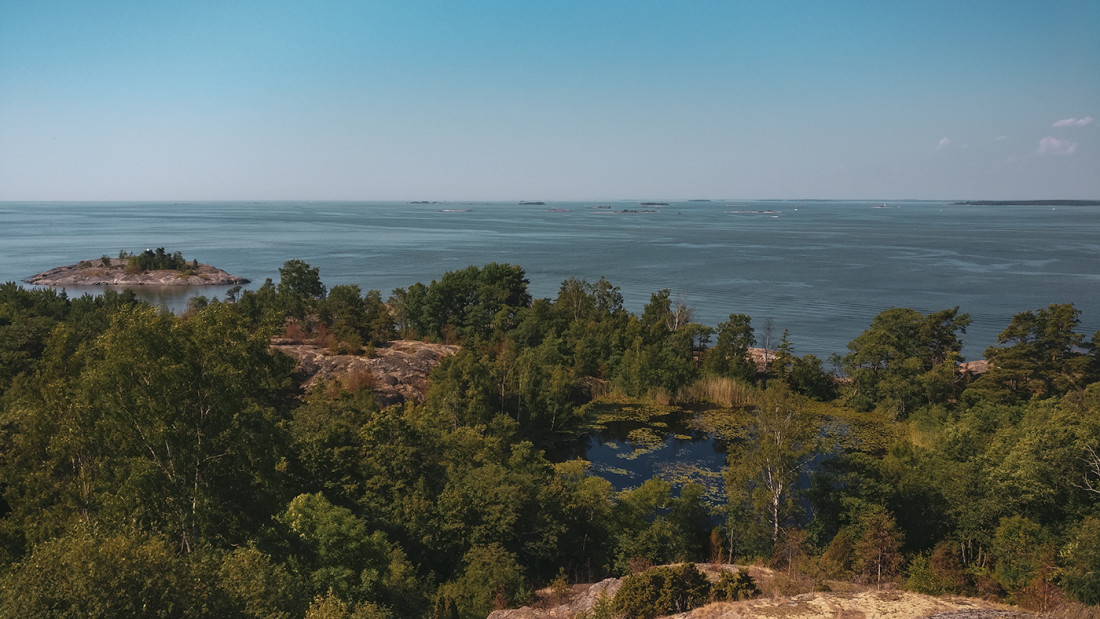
(1074, 122)
(1054, 146)
(1001, 138)
(943, 143)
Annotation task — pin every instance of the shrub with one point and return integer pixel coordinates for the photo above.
(294, 332)
(734, 586)
(602, 609)
(839, 558)
(1017, 544)
(662, 591)
(559, 587)
(359, 379)
(947, 565)
(938, 574)
(922, 578)
(492, 579)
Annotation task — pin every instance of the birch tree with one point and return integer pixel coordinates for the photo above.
(764, 467)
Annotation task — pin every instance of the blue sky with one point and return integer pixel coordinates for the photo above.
(523, 100)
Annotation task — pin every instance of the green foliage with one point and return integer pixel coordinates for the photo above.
(734, 586)
(187, 410)
(356, 318)
(258, 587)
(299, 290)
(1080, 556)
(298, 279)
(602, 609)
(1016, 549)
(763, 469)
(1043, 356)
(839, 558)
(805, 375)
(729, 356)
(662, 591)
(87, 573)
(462, 303)
(329, 606)
(651, 526)
(659, 358)
(162, 422)
(921, 578)
(905, 359)
(585, 513)
(150, 260)
(26, 319)
(339, 554)
(491, 579)
(940, 573)
(877, 549)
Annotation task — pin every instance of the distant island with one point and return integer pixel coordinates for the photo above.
(149, 268)
(1028, 203)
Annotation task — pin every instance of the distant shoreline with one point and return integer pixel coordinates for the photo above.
(1028, 203)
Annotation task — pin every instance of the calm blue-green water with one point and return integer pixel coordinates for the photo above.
(820, 269)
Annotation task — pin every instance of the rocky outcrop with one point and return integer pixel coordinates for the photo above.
(115, 273)
(397, 372)
(975, 368)
(844, 600)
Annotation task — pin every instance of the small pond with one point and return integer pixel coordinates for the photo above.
(629, 445)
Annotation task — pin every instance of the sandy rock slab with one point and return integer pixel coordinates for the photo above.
(862, 604)
(855, 601)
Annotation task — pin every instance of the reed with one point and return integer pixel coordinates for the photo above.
(717, 390)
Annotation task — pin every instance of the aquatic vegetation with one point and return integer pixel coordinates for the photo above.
(679, 474)
(617, 408)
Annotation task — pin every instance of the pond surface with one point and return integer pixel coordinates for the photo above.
(681, 447)
(670, 447)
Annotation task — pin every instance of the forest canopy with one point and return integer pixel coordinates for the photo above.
(180, 454)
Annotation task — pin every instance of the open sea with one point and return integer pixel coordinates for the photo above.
(821, 269)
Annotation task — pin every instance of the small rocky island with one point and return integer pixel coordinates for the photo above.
(149, 268)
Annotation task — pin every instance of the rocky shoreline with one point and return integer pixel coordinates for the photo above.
(97, 273)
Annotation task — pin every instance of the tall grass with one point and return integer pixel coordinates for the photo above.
(718, 390)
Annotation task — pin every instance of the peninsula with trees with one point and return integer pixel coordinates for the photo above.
(148, 268)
